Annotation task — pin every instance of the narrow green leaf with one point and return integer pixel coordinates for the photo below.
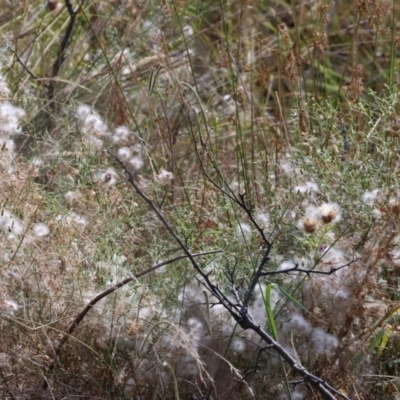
(174, 381)
(287, 295)
(270, 313)
(153, 79)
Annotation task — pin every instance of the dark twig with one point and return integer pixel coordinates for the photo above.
(63, 47)
(307, 271)
(244, 319)
(238, 312)
(298, 382)
(104, 294)
(249, 211)
(253, 371)
(256, 278)
(30, 73)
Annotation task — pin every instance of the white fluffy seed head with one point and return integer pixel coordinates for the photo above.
(10, 307)
(323, 343)
(108, 177)
(71, 197)
(300, 324)
(41, 229)
(289, 264)
(72, 219)
(165, 177)
(369, 197)
(9, 119)
(262, 219)
(243, 231)
(297, 395)
(124, 153)
(10, 224)
(95, 143)
(4, 90)
(122, 134)
(90, 121)
(238, 345)
(136, 163)
(308, 187)
(82, 112)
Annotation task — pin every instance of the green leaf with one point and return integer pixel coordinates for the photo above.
(270, 313)
(287, 295)
(387, 333)
(153, 79)
(376, 340)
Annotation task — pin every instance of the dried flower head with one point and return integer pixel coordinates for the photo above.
(329, 212)
(308, 224)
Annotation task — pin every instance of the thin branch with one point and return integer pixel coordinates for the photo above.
(249, 212)
(63, 47)
(131, 180)
(30, 73)
(239, 313)
(256, 278)
(307, 271)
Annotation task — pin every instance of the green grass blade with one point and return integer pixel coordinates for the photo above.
(270, 313)
(153, 79)
(287, 295)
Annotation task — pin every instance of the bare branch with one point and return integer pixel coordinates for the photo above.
(256, 278)
(30, 73)
(307, 271)
(238, 312)
(63, 47)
